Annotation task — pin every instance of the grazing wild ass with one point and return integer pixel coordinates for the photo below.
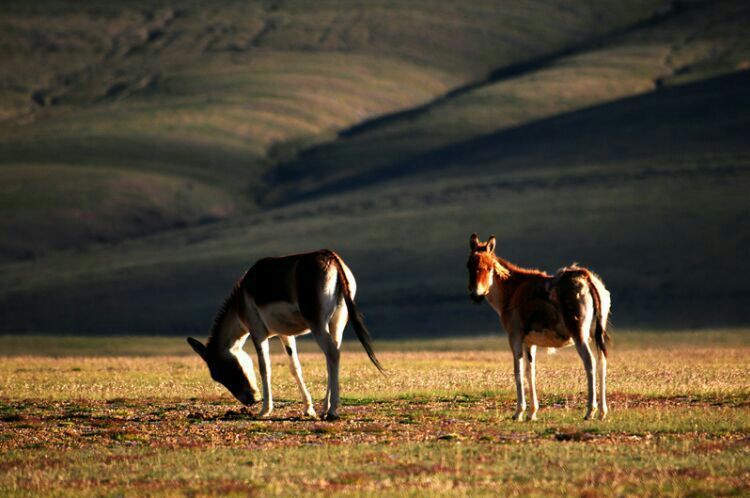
(537, 309)
(285, 297)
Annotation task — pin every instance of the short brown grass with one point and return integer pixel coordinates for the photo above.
(437, 425)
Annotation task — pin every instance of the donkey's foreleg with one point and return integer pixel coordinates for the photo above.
(589, 363)
(331, 350)
(264, 365)
(290, 345)
(602, 384)
(530, 352)
(516, 347)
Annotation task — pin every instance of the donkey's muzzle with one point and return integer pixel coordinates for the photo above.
(246, 399)
(477, 298)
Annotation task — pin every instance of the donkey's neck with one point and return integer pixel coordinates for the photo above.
(500, 291)
(228, 334)
(230, 343)
(510, 271)
(507, 278)
(228, 328)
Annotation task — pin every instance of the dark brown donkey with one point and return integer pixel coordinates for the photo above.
(285, 297)
(537, 309)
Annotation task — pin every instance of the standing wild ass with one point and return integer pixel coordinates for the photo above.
(537, 309)
(285, 297)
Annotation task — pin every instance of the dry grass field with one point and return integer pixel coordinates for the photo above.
(133, 416)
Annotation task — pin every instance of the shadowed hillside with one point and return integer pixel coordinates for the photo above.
(217, 94)
(667, 49)
(170, 148)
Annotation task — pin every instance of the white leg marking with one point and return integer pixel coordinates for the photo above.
(338, 323)
(517, 348)
(603, 385)
(589, 364)
(290, 344)
(328, 345)
(264, 365)
(530, 352)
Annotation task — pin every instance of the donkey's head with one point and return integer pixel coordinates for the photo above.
(481, 267)
(231, 367)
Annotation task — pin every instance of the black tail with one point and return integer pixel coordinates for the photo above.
(355, 317)
(600, 331)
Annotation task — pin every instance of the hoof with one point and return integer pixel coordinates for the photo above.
(532, 417)
(264, 414)
(330, 416)
(310, 412)
(518, 416)
(590, 414)
(602, 414)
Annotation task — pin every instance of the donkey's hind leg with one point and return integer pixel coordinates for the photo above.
(327, 343)
(516, 346)
(330, 343)
(264, 365)
(530, 352)
(338, 322)
(290, 345)
(578, 314)
(589, 364)
(602, 384)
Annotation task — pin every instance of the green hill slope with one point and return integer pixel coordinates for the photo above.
(687, 43)
(614, 135)
(218, 94)
(662, 234)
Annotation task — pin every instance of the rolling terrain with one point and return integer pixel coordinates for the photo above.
(148, 155)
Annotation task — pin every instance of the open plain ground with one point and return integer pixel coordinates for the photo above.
(133, 416)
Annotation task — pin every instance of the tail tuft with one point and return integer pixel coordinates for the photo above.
(355, 317)
(357, 321)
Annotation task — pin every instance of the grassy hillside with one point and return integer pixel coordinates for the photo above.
(218, 95)
(680, 46)
(171, 147)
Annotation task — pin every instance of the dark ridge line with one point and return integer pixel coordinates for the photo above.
(675, 8)
(451, 152)
(511, 71)
(298, 211)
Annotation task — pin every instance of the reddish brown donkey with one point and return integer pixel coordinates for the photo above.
(537, 309)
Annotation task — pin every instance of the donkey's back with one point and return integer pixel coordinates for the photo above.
(297, 293)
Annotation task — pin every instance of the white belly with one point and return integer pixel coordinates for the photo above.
(283, 318)
(547, 339)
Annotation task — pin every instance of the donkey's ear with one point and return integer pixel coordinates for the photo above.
(474, 241)
(491, 244)
(198, 347)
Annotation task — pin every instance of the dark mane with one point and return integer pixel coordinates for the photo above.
(229, 303)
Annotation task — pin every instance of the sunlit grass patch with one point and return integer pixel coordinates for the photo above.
(439, 424)
(447, 466)
(642, 366)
